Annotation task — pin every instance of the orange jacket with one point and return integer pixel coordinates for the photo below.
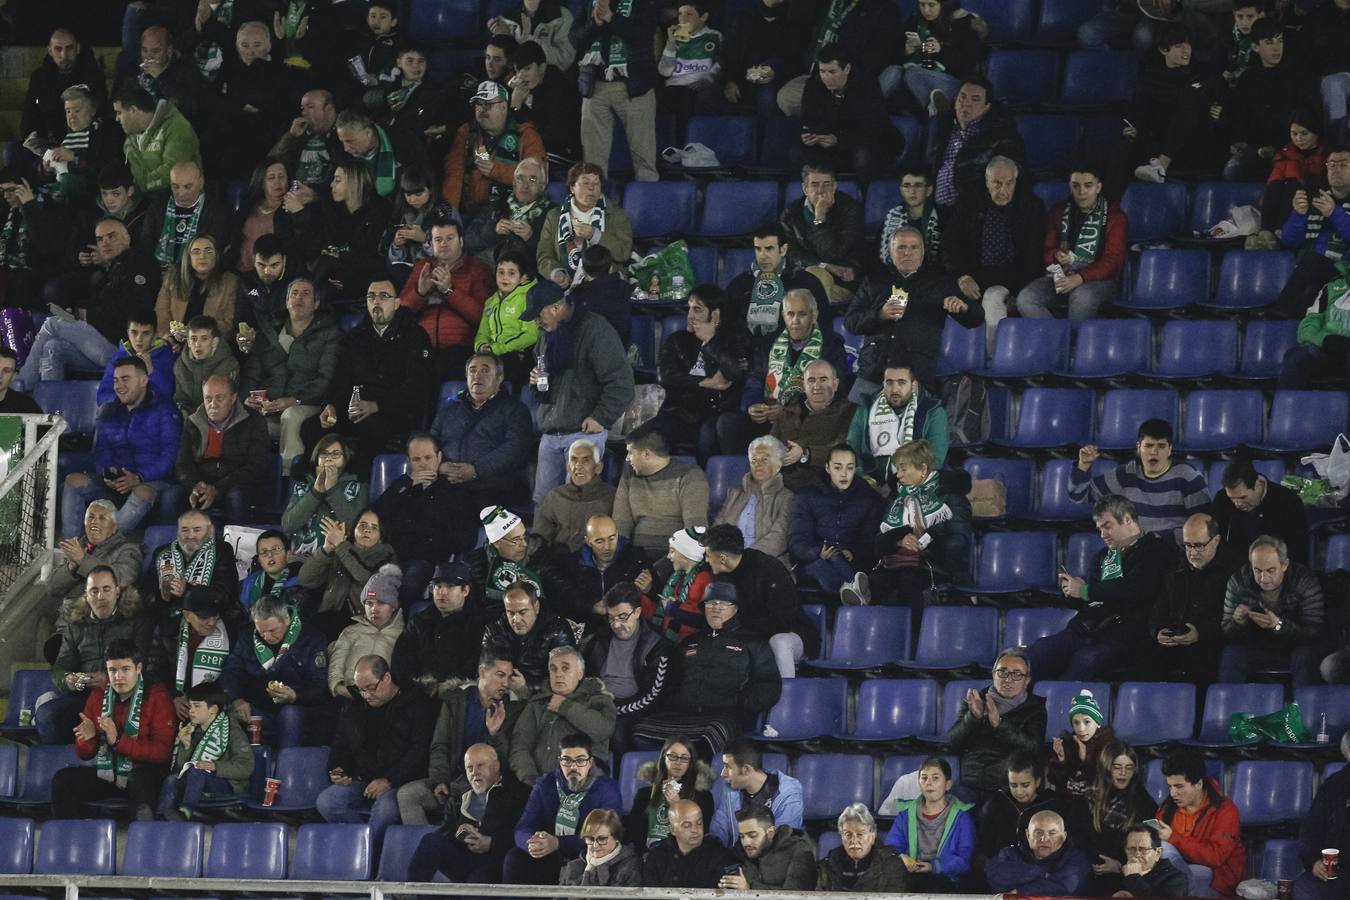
(454, 321)
(1215, 840)
(504, 161)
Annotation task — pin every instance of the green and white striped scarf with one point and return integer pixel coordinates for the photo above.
(111, 765)
(784, 381)
(1087, 244)
(570, 249)
(199, 569)
(613, 54)
(266, 657)
(214, 742)
(208, 660)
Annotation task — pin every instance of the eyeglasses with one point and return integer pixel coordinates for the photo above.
(513, 541)
(621, 618)
(367, 526)
(529, 179)
(1343, 164)
(1127, 767)
(678, 758)
(332, 455)
(1192, 545)
(1010, 674)
(720, 604)
(597, 839)
(382, 295)
(1141, 851)
(369, 690)
(573, 762)
(1052, 833)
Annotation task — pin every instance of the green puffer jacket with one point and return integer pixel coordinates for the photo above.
(84, 638)
(501, 328)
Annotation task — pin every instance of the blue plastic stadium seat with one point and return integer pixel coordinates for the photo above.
(350, 320)
(1051, 192)
(733, 208)
(1222, 700)
(1059, 697)
(892, 767)
(911, 129)
(962, 350)
(659, 208)
(9, 770)
(1149, 713)
(831, 781)
(248, 850)
(1264, 343)
(621, 158)
(827, 841)
(852, 343)
(867, 636)
(1334, 700)
(1279, 861)
(1024, 77)
(779, 135)
(1080, 551)
(1023, 626)
(332, 852)
(955, 637)
(76, 847)
(24, 689)
(1058, 20)
(732, 138)
(1196, 349)
(882, 197)
(820, 617)
(254, 789)
(168, 849)
(1010, 21)
(724, 473)
(735, 261)
(808, 708)
(1101, 135)
(1052, 417)
(442, 21)
(643, 337)
(1024, 347)
(1169, 279)
(629, 784)
(1099, 77)
(891, 709)
(400, 842)
(1106, 348)
(1337, 557)
(1155, 211)
(1013, 561)
(1125, 409)
(1272, 791)
(704, 261)
(1251, 279)
(450, 391)
(74, 401)
(1018, 477)
(303, 773)
(1301, 421)
(41, 762)
(1052, 498)
(1212, 200)
(1051, 141)
(1222, 419)
(16, 846)
(386, 468)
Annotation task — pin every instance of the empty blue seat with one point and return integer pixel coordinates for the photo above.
(808, 708)
(1222, 420)
(248, 850)
(1009, 22)
(1333, 700)
(867, 636)
(167, 849)
(385, 469)
(659, 208)
(1251, 279)
(1125, 409)
(1169, 279)
(1222, 700)
(1058, 20)
(1051, 141)
(1301, 421)
(704, 261)
(1337, 557)
(74, 401)
(724, 472)
(962, 350)
(1018, 477)
(24, 689)
(891, 709)
(1023, 626)
(643, 338)
(1059, 697)
(332, 852)
(16, 846)
(1155, 211)
(1279, 861)
(1149, 713)
(1105, 348)
(77, 847)
(818, 615)
(1052, 417)
(778, 135)
(1212, 200)
(882, 197)
(450, 391)
(350, 320)
(1264, 343)
(732, 138)
(1080, 551)
(1271, 791)
(9, 770)
(400, 842)
(629, 785)
(1024, 77)
(831, 781)
(441, 21)
(1051, 192)
(737, 207)
(954, 637)
(1099, 77)
(828, 840)
(911, 129)
(1025, 347)
(41, 762)
(1052, 498)
(1195, 349)
(1013, 561)
(303, 773)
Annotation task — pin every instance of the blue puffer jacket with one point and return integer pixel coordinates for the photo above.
(161, 380)
(541, 810)
(143, 440)
(823, 512)
(497, 440)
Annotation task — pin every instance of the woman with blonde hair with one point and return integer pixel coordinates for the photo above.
(197, 286)
(608, 861)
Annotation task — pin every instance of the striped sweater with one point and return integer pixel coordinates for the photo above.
(1163, 503)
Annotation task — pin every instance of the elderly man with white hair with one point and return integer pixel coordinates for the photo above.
(1047, 863)
(562, 515)
(516, 217)
(761, 506)
(90, 143)
(860, 865)
(569, 703)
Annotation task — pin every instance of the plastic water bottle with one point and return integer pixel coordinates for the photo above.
(355, 399)
(541, 383)
(1322, 736)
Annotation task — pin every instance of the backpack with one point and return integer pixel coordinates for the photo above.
(966, 400)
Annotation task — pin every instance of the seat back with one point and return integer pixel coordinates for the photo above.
(1058, 20)
(1052, 496)
(450, 391)
(1306, 420)
(659, 208)
(1337, 557)
(1124, 409)
(1249, 279)
(1015, 561)
(386, 468)
(9, 770)
(332, 852)
(1222, 419)
(953, 696)
(1051, 141)
(1024, 77)
(41, 762)
(958, 636)
(77, 847)
(1333, 700)
(24, 689)
(74, 401)
(16, 846)
(168, 849)
(1008, 22)
(1264, 344)
(1030, 346)
(303, 773)
(870, 635)
(1080, 551)
(732, 138)
(962, 350)
(1222, 700)
(1054, 417)
(1268, 791)
(809, 708)
(400, 842)
(1169, 279)
(724, 472)
(1155, 211)
(1059, 697)
(1212, 200)
(1018, 477)
(1279, 861)
(1104, 347)
(737, 207)
(1099, 77)
(1024, 625)
(1153, 712)
(629, 785)
(1198, 348)
(248, 850)
(895, 708)
(831, 781)
(883, 195)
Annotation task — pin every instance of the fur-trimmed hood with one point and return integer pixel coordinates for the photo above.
(703, 774)
(128, 605)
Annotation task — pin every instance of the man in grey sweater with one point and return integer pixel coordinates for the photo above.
(658, 496)
(582, 379)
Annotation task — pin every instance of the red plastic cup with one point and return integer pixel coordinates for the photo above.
(270, 793)
(1331, 861)
(1284, 890)
(255, 730)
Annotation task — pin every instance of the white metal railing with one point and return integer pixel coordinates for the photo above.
(28, 494)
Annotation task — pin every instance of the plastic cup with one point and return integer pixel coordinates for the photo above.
(270, 793)
(255, 730)
(1331, 861)
(25, 717)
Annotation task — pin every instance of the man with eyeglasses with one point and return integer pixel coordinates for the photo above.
(1184, 637)
(1047, 864)
(223, 452)
(515, 217)
(480, 166)
(1146, 873)
(1318, 229)
(631, 658)
(274, 570)
(548, 832)
(1001, 719)
(509, 556)
(571, 703)
(381, 745)
(382, 388)
(526, 635)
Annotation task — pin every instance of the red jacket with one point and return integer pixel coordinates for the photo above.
(1110, 260)
(159, 727)
(1308, 167)
(1216, 841)
(454, 321)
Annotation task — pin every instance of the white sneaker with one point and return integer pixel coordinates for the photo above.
(1151, 172)
(856, 592)
(938, 103)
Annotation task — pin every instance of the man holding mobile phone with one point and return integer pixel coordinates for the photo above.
(770, 857)
(1184, 632)
(1273, 613)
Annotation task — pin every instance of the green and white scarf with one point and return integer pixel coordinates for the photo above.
(199, 569)
(214, 742)
(766, 299)
(613, 55)
(1241, 56)
(1111, 566)
(502, 572)
(255, 587)
(314, 158)
(570, 248)
(15, 243)
(208, 55)
(295, 12)
(1087, 244)
(785, 378)
(397, 97)
(828, 33)
(177, 231)
(886, 430)
(898, 217)
(208, 660)
(521, 212)
(384, 163)
(266, 657)
(658, 823)
(674, 595)
(569, 811)
(925, 494)
(111, 765)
